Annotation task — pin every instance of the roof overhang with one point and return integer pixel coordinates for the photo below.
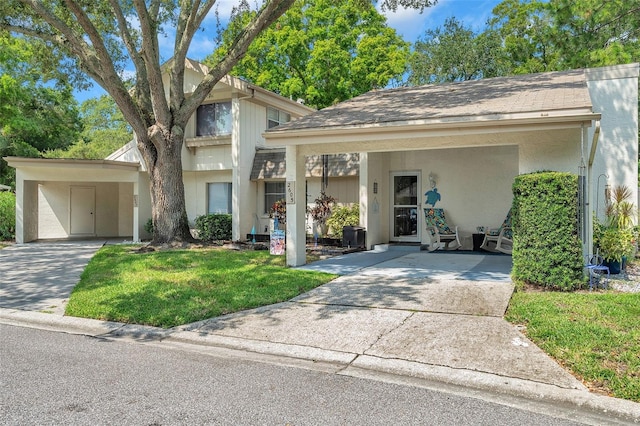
(68, 170)
(21, 162)
(433, 128)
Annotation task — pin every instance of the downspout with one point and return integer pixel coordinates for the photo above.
(589, 215)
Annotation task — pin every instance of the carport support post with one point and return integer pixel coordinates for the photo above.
(296, 203)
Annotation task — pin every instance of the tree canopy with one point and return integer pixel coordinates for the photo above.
(37, 110)
(105, 130)
(455, 53)
(529, 36)
(321, 51)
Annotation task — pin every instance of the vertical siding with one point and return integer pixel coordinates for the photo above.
(125, 209)
(53, 210)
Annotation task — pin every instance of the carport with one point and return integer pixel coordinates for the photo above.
(73, 198)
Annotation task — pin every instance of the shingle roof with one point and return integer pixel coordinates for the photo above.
(270, 164)
(487, 97)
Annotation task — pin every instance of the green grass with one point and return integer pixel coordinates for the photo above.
(174, 287)
(594, 335)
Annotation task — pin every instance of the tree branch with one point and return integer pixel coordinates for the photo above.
(270, 12)
(151, 55)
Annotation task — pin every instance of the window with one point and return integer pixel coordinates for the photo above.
(213, 119)
(273, 191)
(276, 117)
(219, 198)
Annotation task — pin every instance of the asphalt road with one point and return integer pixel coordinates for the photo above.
(57, 378)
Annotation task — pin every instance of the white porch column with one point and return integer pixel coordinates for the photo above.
(26, 208)
(365, 205)
(296, 201)
(136, 213)
(238, 186)
(20, 196)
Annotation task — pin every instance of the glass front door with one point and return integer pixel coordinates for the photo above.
(406, 206)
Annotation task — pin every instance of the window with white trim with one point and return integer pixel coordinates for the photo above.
(273, 191)
(219, 198)
(213, 119)
(276, 117)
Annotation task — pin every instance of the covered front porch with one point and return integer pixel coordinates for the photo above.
(469, 141)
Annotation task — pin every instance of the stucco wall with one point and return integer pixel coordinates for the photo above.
(474, 183)
(560, 153)
(614, 93)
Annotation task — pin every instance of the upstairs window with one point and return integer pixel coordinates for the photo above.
(213, 119)
(276, 117)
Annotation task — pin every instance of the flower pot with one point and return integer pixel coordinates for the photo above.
(614, 266)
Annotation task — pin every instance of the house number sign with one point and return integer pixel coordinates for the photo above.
(291, 192)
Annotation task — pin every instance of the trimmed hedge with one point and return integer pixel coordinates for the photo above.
(7, 215)
(547, 249)
(214, 227)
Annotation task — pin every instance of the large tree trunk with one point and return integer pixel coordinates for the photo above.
(169, 213)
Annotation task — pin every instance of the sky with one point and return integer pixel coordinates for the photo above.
(409, 23)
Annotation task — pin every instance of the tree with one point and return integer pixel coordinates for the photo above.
(105, 130)
(595, 33)
(527, 34)
(101, 37)
(37, 109)
(321, 51)
(455, 53)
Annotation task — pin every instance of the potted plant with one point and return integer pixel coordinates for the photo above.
(616, 244)
(615, 238)
(321, 211)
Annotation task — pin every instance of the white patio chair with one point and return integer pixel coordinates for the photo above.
(499, 239)
(441, 234)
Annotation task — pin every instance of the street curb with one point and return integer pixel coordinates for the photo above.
(53, 322)
(599, 405)
(352, 364)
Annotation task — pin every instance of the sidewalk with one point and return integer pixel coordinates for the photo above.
(432, 317)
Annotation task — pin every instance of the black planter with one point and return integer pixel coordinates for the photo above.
(615, 266)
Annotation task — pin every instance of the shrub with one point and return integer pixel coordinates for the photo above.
(214, 227)
(148, 226)
(343, 216)
(7, 215)
(547, 250)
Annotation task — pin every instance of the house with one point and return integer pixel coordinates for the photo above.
(386, 150)
(227, 168)
(468, 140)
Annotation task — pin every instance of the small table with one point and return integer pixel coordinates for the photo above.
(478, 239)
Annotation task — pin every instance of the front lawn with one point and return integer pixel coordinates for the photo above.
(595, 335)
(173, 287)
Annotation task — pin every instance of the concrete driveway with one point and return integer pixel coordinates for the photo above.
(40, 276)
(402, 310)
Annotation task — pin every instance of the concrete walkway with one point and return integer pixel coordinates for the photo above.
(435, 317)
